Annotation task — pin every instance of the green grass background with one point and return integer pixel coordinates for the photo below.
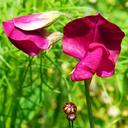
(33, 91)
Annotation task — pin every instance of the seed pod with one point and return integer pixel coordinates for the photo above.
(71, 116)
(69, 108)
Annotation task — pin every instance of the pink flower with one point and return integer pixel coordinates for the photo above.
(96, 43)
(27, 32)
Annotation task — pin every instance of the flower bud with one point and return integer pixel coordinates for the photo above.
(69, 108)
(71, 116)
(54, 37)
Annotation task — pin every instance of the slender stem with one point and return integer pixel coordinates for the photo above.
(26, 71)
(41, 78)
(68, 88)
(30, 63)
(88, 100)
(69, 123)
(4, 108)
(72, 124)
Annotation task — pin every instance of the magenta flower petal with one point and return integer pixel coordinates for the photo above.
(76, 38)
(92, 32)
(111, 36)
(30, 42)
(30, 22)
(36, 21)
(106, 68)
(89, 65)
(78, 34)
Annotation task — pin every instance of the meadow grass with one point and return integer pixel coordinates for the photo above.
(33, 90)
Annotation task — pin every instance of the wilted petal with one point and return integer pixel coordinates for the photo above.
(36, 21)
(96, 57)
(30, 42)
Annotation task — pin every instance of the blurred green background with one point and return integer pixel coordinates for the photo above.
(33, 91)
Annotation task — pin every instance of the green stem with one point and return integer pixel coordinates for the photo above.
(69, 123)
(72, 123)
(30, 63)
(41, 78)
(25, 73)
(4, 106)
(68, 88)
(88, 100)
